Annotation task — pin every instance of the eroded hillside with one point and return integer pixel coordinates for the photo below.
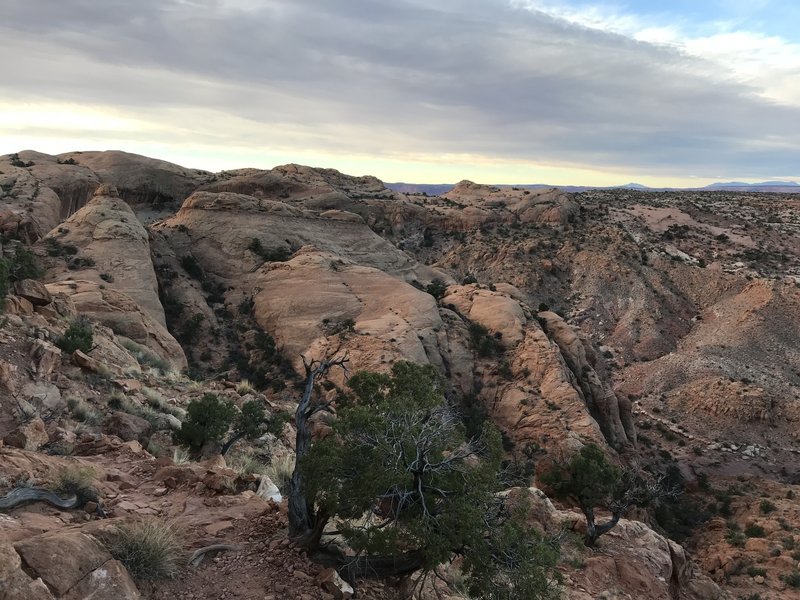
(661, 326)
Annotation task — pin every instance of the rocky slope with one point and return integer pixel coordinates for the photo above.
(663, 326)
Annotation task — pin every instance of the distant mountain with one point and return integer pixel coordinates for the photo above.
(738, 184)
(783, 187)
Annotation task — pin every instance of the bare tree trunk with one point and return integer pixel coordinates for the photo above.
(231, 441)
(593, 530)
(305, 523)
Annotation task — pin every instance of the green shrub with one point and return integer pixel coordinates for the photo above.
(192, 267)
(754, 530)
(436, 288)
(754, 571)
(792, 579)
(22, 264)
(56, 248)
(78, 336)
(484, 344)
(735, 538)
(191, 328)
(207, 420)
(767, 507)
(276, 254)
(440, 505)
(149, 549)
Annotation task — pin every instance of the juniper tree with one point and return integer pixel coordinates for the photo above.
(407, 491)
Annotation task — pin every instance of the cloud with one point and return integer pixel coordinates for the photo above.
(483, 78)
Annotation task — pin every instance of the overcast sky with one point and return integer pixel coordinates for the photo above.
(678, 92)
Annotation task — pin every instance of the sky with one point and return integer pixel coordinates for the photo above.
(664, 93)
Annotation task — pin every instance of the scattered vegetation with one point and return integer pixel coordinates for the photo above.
(82, 411)
(753, 530)
(120, 402)
(792, 579)
(243, 388)
(436, 288)
(767, 507)
(16, 161)
(192, 267)
(280, 470)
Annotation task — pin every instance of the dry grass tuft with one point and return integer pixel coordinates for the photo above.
(149, 548)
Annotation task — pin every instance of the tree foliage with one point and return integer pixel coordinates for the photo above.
(248, 424)
(211, 418)
(407, 489)
(207, 420)
(591, 481)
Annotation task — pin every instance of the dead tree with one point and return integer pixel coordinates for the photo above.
(306, 523)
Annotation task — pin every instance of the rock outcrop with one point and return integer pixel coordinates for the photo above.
(102, 263)
(328, 303)
(611, 413)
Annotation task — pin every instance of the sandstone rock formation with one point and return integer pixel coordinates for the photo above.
(110, 277)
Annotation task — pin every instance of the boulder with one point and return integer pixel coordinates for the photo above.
(15, 584)
(115, 283)
(45, 357)
(33, 291)
(15, 305)
(111, 581)
(268, 490)
(29, 436)
(501, 314)
(390, 319)
(84, 361)
(331, 582)
(127, 427)
(43, 395)
(62, 559)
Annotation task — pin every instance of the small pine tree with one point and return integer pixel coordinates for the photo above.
(78, 336)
